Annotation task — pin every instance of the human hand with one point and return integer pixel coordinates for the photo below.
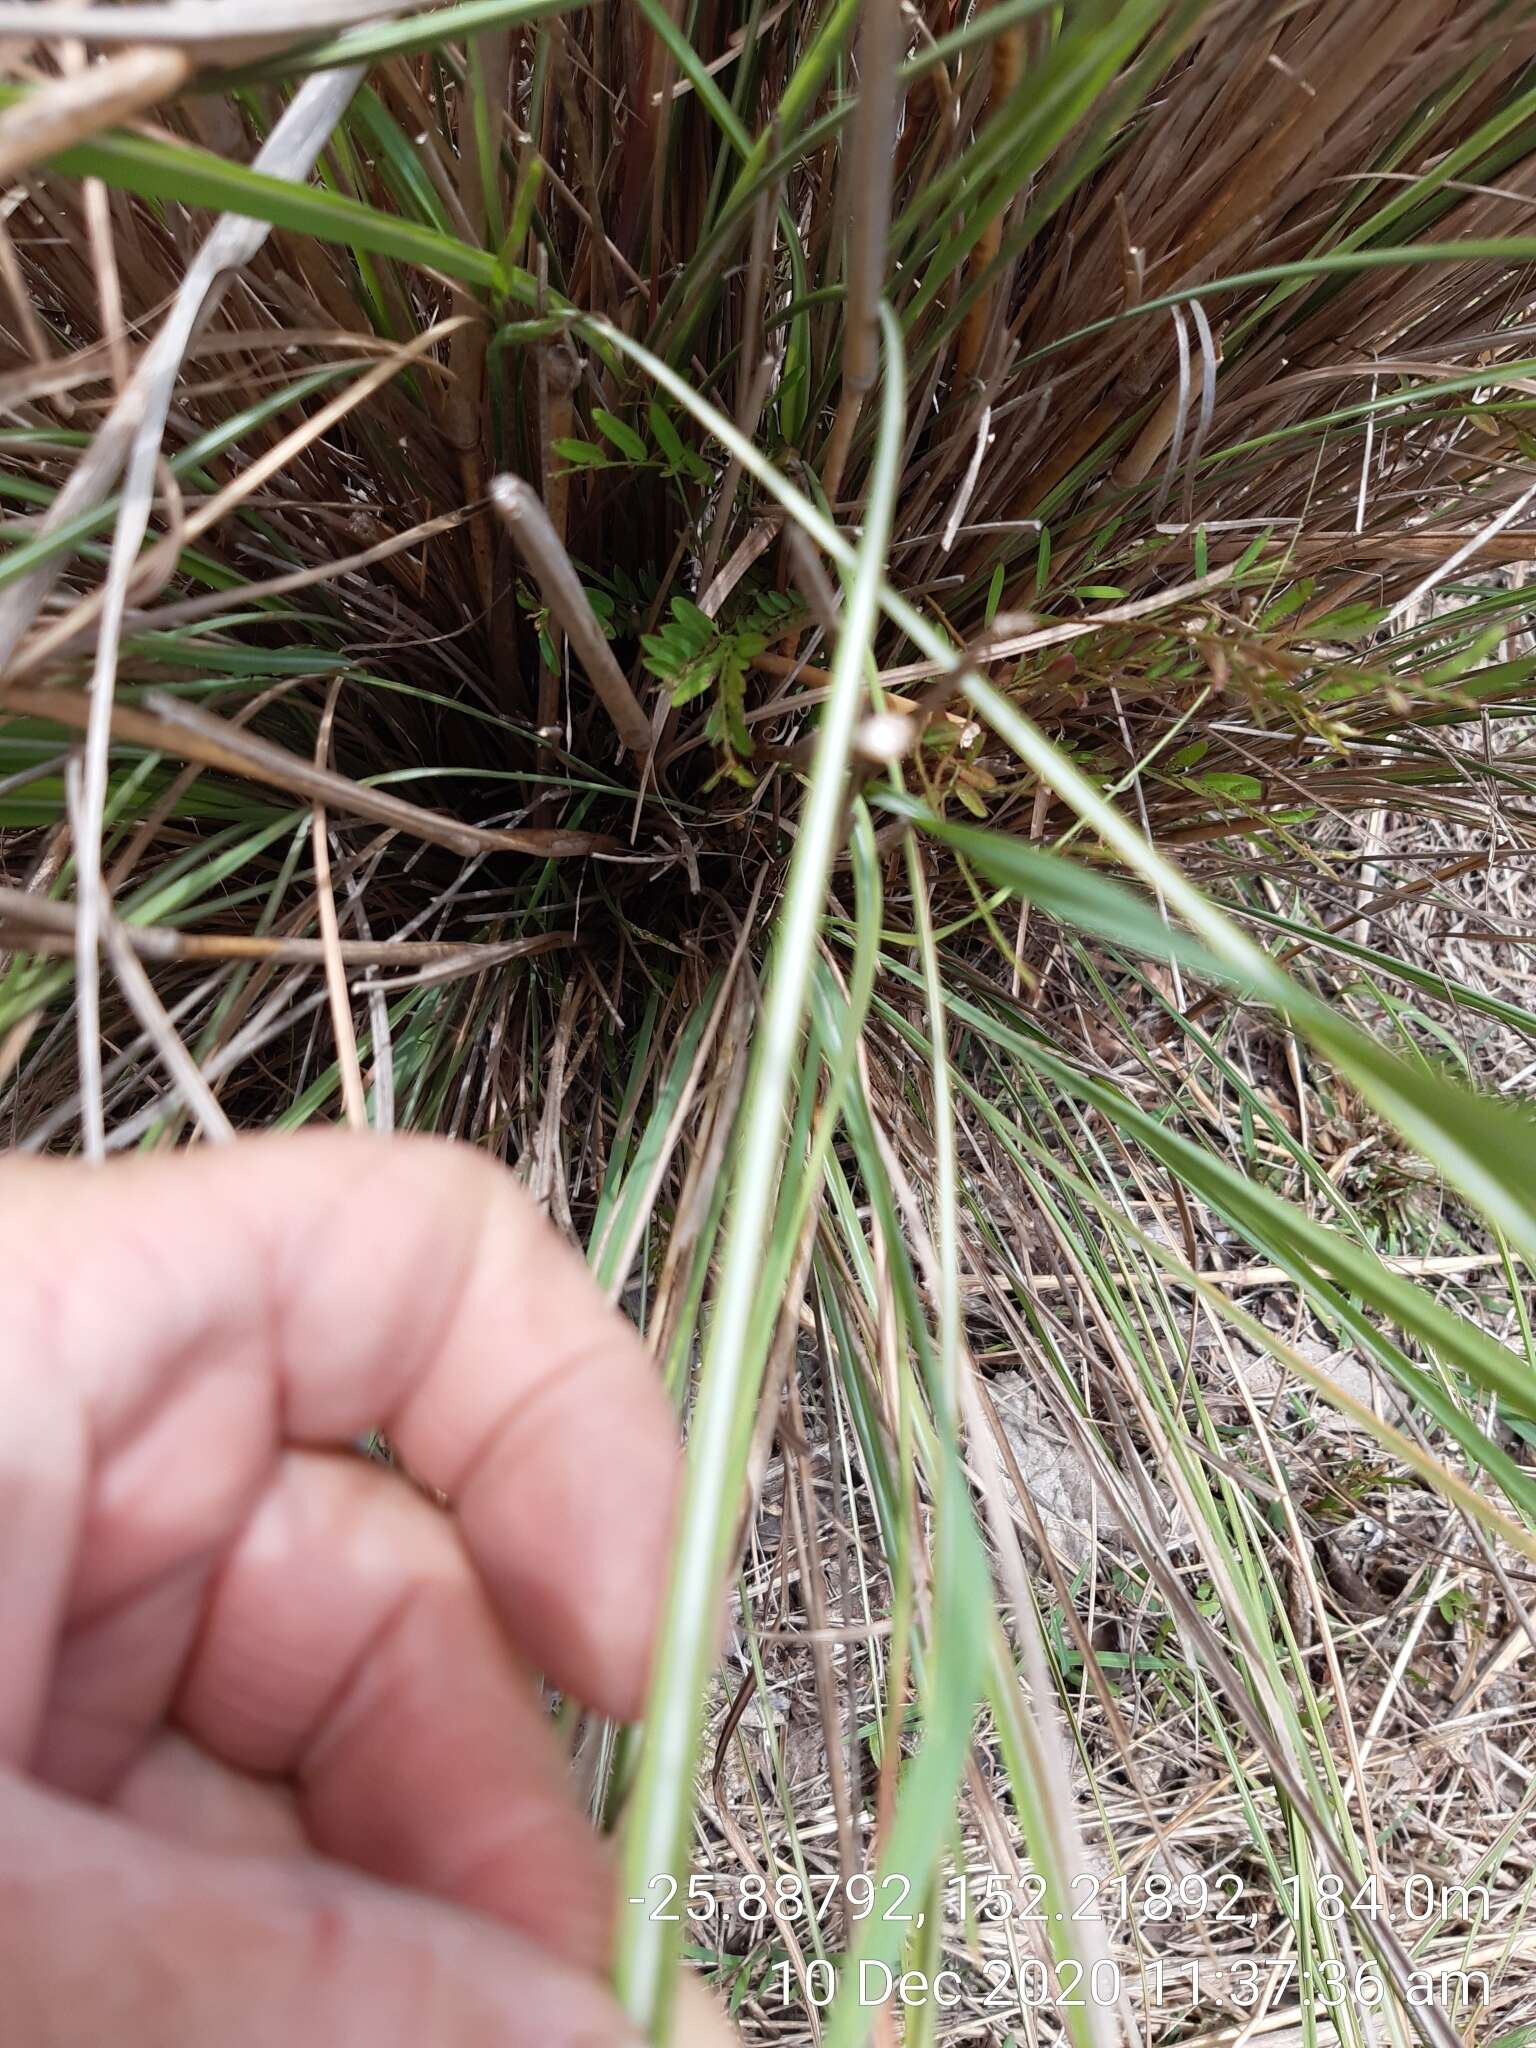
(272, 1770)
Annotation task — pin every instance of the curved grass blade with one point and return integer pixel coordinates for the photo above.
(196, 177)
(656, 1823)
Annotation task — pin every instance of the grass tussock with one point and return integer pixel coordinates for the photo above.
(889, 646)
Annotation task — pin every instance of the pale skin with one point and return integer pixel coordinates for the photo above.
(273, 1769)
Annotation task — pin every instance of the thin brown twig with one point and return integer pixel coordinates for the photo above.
(344, 1025)
(529, 524)
(44, 924)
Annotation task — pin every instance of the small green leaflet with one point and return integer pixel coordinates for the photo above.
(623, 437)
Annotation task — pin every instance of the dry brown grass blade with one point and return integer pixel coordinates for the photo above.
(463, 411)
(1419, 1266)
(463, 963)
(104, 263)
(158, 563)
(141, 415)
(178, 1062)
(753, 381)
(289, 152)
(1262, 180)
(44, 924)
(147, 832)
(188, 610)
(32, 335)
(805, 1519)
(353, 1096)
(187, 734)
(201, 25)
(91, 362)
(559, 374)
(868, 203)
(1006, 69)
(529, 524)
(1003, 644)
(595, 265)
(66, 110)
(652, 129)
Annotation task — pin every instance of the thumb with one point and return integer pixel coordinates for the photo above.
(109, 1933)
(698, 2021)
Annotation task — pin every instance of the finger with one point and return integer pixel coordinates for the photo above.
(697, 2020)
(42, 1475)
(315, 1287)
(175, 1789)
(112, 1934)
(348, 1646)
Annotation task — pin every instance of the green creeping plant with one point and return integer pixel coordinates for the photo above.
(693, 654)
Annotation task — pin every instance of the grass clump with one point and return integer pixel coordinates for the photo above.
(855, 634)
